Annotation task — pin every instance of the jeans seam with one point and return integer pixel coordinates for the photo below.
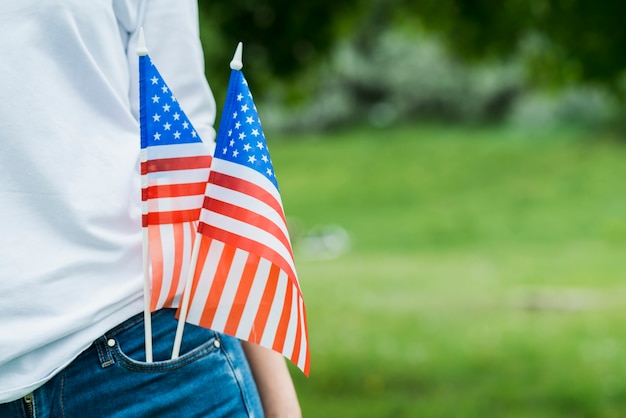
(237, 377)
(61, 395)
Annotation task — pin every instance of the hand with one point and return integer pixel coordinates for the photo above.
(273, 381)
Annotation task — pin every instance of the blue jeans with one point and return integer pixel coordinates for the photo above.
(211, 378)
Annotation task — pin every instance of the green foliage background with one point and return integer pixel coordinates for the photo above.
(485, 277)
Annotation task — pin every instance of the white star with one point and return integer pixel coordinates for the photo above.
(255, 132)
(260, 145)
(167, 126)
(176, 135)
(247, 147)
(156, 117)
(194, 134)
(235, 153)
(164, 89)
(166, 108)
(155, 99)
(239, 97)
(154, 80)
(224, 150)
(242, 135)
(252, 159)
(264, 158)
(269, 172)
(185, 125)
(232, 142)
(235, 115)
(157, 136)
(230, 132)
(244, 108)
(250, 120)
(173, 98)
(176, 116)
(237, 125)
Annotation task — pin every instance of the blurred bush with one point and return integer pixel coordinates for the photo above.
(408, 76)
(402, 76)
(323, 65)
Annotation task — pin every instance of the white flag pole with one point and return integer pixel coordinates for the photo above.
(235, 64)
(142, 50)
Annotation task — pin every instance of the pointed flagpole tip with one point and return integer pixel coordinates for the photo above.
(142, 49)
(237, 63)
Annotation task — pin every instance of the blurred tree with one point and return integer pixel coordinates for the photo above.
(562, 40)
(281, 37)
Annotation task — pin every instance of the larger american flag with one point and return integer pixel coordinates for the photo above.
(175, 166)
(245, 282)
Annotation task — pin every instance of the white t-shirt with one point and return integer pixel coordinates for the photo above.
(70, 194)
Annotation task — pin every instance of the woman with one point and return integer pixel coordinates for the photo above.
(71, 336)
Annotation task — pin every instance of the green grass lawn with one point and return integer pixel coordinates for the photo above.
(486, 275)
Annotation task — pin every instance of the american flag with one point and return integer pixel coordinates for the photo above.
(245, 282)
(175, 166)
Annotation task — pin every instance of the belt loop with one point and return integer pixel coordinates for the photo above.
(104, 347)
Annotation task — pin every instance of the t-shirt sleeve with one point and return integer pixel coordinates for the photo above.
(172, 36)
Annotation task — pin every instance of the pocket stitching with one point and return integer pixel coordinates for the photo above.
(165, 365)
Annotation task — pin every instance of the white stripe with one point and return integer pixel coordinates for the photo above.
(304, 343)
(248, 202)
(269, 334)
(246, 173)
(197, 305)
(290, 337)
(193, 149)
(230, 289)
(166, 204)
(254, 299)
(194, 175)
(250, 232)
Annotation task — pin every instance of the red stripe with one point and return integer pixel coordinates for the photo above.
(156, 257)
(217, 286)
(173, 190)
(251, 246)
(243, 186)
(242, 294)
(283, 323)
(175, 164)
(295, 354)
(171, 217)
(263, 313)
(248, 217)
(305, 332)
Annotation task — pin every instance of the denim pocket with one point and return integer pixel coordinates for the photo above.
(210, 346)
(126, 343)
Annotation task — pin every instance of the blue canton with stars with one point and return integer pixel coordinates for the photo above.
(165, 123)
(240, 138)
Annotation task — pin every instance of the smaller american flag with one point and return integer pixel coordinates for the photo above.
(175, 166)
(245, 282)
